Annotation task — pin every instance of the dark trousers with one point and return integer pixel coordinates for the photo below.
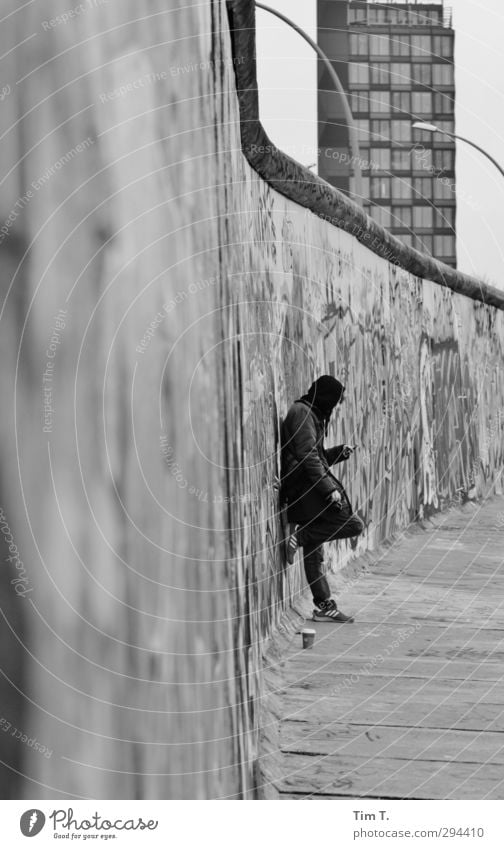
(330, 524)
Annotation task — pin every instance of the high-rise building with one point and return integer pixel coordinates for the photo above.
(395, 61)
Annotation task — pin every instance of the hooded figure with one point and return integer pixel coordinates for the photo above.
(316, 501)
(323, 396)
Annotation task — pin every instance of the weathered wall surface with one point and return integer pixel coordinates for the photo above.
(111, 254)
(162, 307)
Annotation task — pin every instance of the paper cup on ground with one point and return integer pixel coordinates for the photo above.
(308, 635)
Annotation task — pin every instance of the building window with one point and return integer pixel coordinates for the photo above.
(380, 130)
(379, 45)
(357, 16)
(377, 15)
(380, 158)
(392, 16)
(421, 103)
(379, 101)
(403, 17)
(359, 101)
(335, 160)
(422, 187)
(425, 19)
(380, 188)
(400, 74)
(424, 243)
(416, 19)
(444, 160)
(420, 45)
(447, 127)
(359, 45)
(401, 160)
(365, 164)
(401, 216)
(442, 74)
(444, 245)
(443, 46)
(358, 73)
(421, 73)
(421, 159)
(401, 188)
(400, 45)
(401, 131)
(443, 103)
(444, 188)
(422, 136)
(380, 74)
(406, 239)
(365, 187)
(401, 101)
(362, 125)
(422, 216)
(444, 217)
(381, 214)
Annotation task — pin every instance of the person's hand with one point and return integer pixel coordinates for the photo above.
(348, 450)
(335, 498)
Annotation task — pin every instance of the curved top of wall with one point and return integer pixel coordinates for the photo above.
(302, 186)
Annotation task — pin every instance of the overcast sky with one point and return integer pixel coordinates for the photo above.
(287, 85)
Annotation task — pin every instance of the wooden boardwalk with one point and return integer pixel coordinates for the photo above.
(408, 702)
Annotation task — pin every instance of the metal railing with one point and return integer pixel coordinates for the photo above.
(447, 16)
(444, 20)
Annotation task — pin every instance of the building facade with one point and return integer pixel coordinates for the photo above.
(396, 63)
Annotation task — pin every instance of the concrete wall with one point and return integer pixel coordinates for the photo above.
(162, 306)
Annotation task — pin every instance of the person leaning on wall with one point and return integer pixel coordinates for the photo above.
(317, 504)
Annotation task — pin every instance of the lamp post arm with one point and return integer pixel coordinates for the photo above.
(354, 143)
(481, 150)
(473, 144)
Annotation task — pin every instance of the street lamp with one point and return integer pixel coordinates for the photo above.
(431, 128)
(352, 130)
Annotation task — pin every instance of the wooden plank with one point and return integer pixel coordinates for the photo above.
(370, 685)
(392, 742)
(430, 640)
(411, 591)
(441, 607)
(367, 640)
(392, 778)
(418, 667)
(455, 713)
(461, 577)
(409, 585)
(385, 693)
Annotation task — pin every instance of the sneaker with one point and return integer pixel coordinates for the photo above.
(327, 611)
(291, 546)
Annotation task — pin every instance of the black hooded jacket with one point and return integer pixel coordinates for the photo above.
(307, 481)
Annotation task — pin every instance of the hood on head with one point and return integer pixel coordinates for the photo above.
(324, 394)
